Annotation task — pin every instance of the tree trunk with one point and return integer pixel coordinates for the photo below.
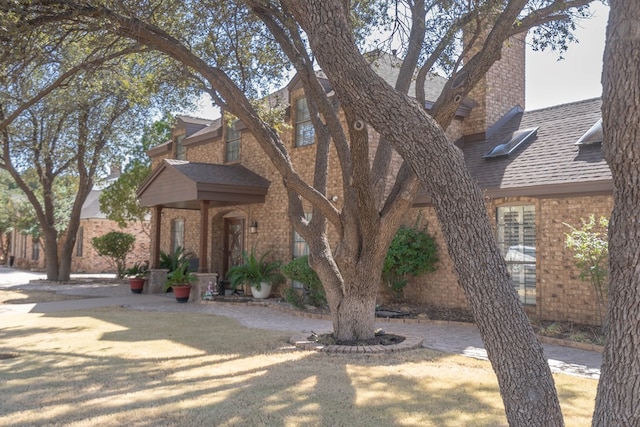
(51, 253)
(524, 376)
(619, 388)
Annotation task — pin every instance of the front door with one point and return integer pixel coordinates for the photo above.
(233, 243)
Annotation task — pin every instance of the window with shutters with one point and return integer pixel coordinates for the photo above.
(517, 241)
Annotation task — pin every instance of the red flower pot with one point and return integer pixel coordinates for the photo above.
(182, 293)
(136, 285)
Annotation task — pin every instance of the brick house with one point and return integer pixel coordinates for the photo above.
(94, 223)
(29, 254)
(214, 192)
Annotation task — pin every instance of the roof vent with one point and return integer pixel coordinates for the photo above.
(514, 141)
(593, 136)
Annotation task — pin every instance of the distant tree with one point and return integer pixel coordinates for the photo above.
(65, 112)
(7, 213)
(119, 201)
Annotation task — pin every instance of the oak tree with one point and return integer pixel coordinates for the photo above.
(375, 200)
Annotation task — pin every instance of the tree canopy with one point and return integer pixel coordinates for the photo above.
(119, 201)
(237, 49)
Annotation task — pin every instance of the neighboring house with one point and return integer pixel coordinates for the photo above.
(94, 223)
(214, 191)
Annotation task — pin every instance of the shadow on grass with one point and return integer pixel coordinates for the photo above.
(128, 367)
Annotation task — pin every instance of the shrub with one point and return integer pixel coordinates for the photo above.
(411, 253)
(294, 298)
(115, 246)
(591, 252)
(300, 271)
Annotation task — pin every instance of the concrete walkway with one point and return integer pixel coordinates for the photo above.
(451, 338)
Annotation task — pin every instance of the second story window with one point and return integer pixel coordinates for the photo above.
(305, 133)
(232, 144)
(181, 150)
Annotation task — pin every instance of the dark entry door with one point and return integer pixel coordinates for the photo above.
(233, 243)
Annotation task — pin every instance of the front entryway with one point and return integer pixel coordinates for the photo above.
(233, 243)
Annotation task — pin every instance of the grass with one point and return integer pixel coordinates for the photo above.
(115, 366)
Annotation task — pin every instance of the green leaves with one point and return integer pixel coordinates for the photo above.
(411, 253)
(591, 251)
(115, 245)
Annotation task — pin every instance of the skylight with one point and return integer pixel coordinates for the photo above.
(511, 143)
(593, 136)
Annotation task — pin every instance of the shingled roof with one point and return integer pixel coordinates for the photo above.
(182, 185)
(547, 164)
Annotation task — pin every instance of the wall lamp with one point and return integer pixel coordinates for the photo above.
(253, 228)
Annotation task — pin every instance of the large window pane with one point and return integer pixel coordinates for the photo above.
(177, 234)
(517, 242)
(232, 146)
(181, 150)
(300, 248)
(305, 133)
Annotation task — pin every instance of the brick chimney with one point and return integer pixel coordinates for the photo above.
(501, 89)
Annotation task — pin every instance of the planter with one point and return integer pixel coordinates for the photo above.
(136, 285)
(182, 293)
(264, 292)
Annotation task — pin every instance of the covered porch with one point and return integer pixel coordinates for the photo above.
(179, 184)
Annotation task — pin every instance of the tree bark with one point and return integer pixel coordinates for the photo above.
(618, 397)
(524, 376)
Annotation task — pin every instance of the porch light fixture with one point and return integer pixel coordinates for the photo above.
(253, 228)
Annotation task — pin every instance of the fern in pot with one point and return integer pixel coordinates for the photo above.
(257, 272)
(180, 280)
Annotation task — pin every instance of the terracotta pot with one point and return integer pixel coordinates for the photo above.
(136, 285)
(182, 292)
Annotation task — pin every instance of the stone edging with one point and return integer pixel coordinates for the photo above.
(571, 344)
(302, 342)
(541, 338)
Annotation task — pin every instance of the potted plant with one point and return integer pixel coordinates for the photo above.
(137, 275)
(180, 281)
(258, 273)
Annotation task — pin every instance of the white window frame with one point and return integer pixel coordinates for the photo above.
(305, 133)
(299, 247)
(233, 138)
(177, 233)
(517, 241)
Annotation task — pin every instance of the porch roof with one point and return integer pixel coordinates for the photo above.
(181, 184)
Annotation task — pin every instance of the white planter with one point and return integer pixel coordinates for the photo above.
(264, 292)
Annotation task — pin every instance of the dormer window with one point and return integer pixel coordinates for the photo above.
(305, 133)
(232, 143)
(594, 135)
(513, 142)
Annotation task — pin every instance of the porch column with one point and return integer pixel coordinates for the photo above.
(204, 236)
(156, 238)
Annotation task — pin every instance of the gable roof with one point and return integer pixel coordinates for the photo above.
(548, 164)
(91, 206)
(181, 184)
